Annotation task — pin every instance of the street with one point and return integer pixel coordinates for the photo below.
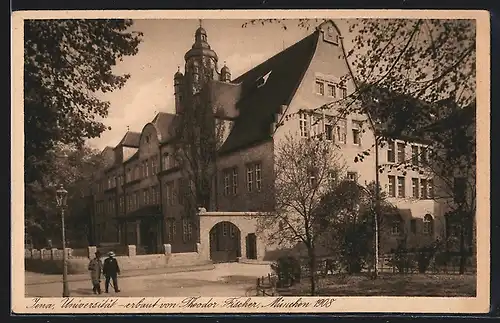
(227, 279)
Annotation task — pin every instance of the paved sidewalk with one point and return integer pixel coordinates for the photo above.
(32, 278)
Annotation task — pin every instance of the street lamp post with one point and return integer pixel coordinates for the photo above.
(61, 196)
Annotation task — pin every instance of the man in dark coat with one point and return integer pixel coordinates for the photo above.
(111, 270)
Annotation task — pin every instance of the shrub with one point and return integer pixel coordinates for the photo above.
(288, 271)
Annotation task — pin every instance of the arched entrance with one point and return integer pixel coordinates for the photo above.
(225, 242)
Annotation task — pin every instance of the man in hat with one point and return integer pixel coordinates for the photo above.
(110, 271)
(95, 268)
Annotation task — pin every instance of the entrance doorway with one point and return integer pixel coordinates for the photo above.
(149, 235)
(225, 242)
(251, 246)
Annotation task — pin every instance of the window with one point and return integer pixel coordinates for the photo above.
(249, 178)
(414, 155)
(328, 129)
(146, 164)
(137, 172)
(396, 226)
(315, 125)
(226, 183)
(356, 132)
(129, 175)
(304, 130)
(146, 196)
(154, 195)
(413, 226)
(320, 88)
(401, 186)
(165, 161)
(311, 175)
(136, 200)
(391, 157)
(331, 90)
(235, 181)
(170, 229)
(129, 202)
(332, 176)
(423, 188)
(232, 231)
(224, 228)
(169, 191)
(423, 156)
(415, 187)
(341, 131)
(430, 188)
(258, 177)
(121, 204)
(182, 190)
(392, 186)
(401, 152)
(187, 230)
(154, 166)
(352, 176)
(343, 91)
(428, 224)
(459, 188)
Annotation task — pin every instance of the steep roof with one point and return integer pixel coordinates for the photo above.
(264, 89)
(131, 139)
(163, 124)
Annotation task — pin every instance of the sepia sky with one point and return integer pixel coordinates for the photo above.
(150, 87)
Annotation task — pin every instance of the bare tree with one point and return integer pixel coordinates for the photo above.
(198, 133)
(304, 170)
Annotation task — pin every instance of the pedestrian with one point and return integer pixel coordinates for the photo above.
(110, 271)
(95, 268)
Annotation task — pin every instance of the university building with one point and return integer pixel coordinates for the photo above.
(136, 199)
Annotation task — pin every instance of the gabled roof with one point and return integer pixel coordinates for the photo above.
(131, 139)
(264, 89)
(163, 125)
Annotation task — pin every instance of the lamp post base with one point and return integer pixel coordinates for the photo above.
(65, 290)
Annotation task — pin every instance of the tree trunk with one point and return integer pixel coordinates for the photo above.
(312, 269)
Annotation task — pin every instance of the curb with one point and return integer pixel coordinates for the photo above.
(168, 270)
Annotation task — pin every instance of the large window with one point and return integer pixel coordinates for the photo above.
(320, 87)
(303, 125)
(187, 230)
(341, 130)
(226, 182)
(258, 177)
(171, 230)
(396, 226)
(254, 177)
(423, 189)
(235, 181)
(391, 157)
(328, 129)
(415, 187)
(331, 90)
(401, 186)
(352, 176)
(428, 225)
(169, 192)
(392, 186)
(414, 155)
(401, 152)
(356, 132)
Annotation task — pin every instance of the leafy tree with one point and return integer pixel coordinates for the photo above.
(349, 210)
(305, 169)
(75, 172)
(66, 63)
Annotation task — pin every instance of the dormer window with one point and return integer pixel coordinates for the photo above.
(261, 81)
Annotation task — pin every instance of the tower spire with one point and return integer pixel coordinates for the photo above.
(200, 23)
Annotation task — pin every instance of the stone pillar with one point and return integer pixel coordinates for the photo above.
(198, 247)
(91, 250)
(167, 248)
(69, 252)
(138, 232)
(131, 250)
(53, 253)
